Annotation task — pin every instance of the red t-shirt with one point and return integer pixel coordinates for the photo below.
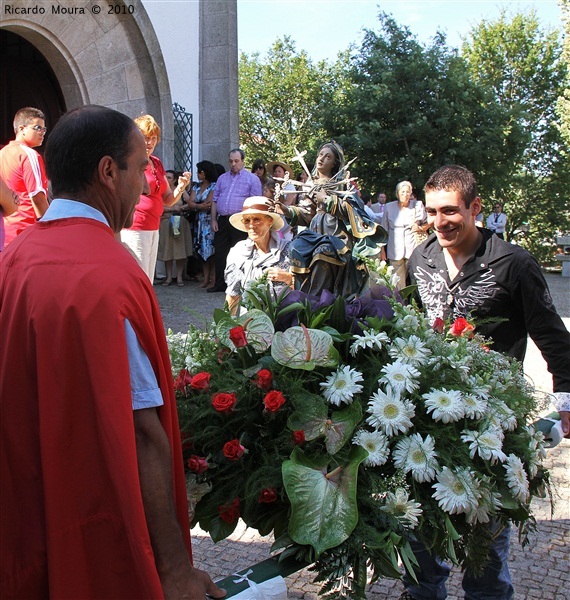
(150, 208)
(23, 170)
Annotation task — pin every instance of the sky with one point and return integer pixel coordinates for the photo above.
(325, 27)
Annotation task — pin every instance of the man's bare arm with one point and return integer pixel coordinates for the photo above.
(40, 204)
(179, 579)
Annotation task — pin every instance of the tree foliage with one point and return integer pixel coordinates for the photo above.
(501, 107)
(563, 105)
(522, 63)
(411, 108)
(281, 98)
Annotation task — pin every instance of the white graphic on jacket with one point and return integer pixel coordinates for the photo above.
(441, 300)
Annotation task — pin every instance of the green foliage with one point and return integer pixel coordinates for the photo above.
(523, 65)
(563, 104)
(281, 97)
(410, 108)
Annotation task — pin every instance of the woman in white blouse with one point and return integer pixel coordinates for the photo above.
(402, 219)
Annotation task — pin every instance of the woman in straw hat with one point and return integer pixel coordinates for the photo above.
(263, 252)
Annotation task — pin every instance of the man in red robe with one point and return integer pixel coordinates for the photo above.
(93, 501)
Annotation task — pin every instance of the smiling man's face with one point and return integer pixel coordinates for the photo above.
(452, 222)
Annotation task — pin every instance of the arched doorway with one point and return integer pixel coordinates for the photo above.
(27, 80)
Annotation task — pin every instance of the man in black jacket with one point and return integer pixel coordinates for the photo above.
(465, 271)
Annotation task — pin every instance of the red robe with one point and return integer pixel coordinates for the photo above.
(72, 516)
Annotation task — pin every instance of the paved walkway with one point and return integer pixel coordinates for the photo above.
(540, 571)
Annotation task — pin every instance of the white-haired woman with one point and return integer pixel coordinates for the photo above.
(402, 219)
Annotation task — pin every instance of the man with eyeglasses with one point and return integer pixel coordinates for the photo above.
(497, 221)
(23, 170)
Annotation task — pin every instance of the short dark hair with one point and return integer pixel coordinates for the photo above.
(209, 170)
(25, 115)
(241, 152)
(80, 139)
(454, 178)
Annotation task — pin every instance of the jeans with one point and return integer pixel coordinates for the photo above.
(493, 584)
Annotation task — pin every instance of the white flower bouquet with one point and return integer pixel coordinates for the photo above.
(347, 428)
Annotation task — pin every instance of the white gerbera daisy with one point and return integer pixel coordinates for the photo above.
(537, 451)
(475, 406)
(487, 444)
(418, 456)
(456, 491)
(389, 413)
(369, 339)
(516, 477)
(411, 351)
(446, 405)
(376, 444)
(400, 376)
(342, 385)
(489, 503)
(400, 506)
(502, 416)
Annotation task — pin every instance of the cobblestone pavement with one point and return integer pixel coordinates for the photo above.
(539, 571)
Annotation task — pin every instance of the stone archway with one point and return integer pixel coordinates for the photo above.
(107, 59)
(27, 80)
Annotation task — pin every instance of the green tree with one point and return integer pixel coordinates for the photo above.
(406, 109)
(281, 98)
(563, 106)
(522, 64)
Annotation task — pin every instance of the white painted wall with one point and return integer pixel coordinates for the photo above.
(177, 27)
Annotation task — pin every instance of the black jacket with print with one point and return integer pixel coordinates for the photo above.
(500, 280)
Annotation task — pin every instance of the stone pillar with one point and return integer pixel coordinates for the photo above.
(219, 131)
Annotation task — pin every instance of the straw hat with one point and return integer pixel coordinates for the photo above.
(256, 205)
(270, 166)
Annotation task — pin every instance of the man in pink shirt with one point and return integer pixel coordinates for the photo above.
(22, 168)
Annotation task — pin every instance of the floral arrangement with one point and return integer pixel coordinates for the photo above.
(345, 429)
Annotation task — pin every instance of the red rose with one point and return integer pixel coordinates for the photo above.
(224, 402)
(264, 379)
(298, 436)
(438, 325)
(198, 464)
(201, 381)
(461, 328)
(267, 496)
(273, 401)
(237, 336)
(182, 380)
(233, 450)
(229, 512)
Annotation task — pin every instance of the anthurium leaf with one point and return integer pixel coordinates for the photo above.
(302, 348)
(311, 419)
(340, 427)
(258, 328)
(323, 503)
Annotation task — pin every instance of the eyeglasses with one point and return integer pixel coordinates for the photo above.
(253, 221)
(39, 128)
(497, 206)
